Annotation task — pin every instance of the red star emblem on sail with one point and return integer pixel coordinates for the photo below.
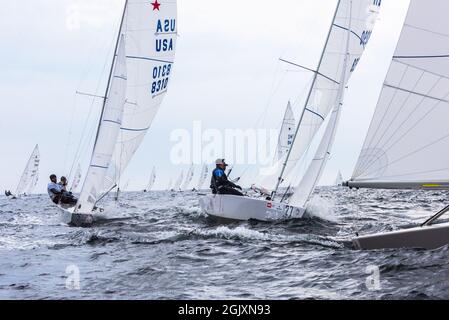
(156, 5)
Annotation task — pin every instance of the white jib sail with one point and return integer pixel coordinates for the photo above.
(151, 31)
(287, 132)
(29, 176)
(189, 178)
(408, 139)
(108, 131)
(152, 180)
(203, 176)
(353, 20)
(325, 91)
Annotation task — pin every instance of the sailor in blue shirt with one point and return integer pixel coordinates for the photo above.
(220, 183)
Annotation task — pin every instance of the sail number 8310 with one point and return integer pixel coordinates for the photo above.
(160, 76)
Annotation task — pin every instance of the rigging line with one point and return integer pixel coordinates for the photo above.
(352, 32)
(399, 111)
(308, 69)
(77, 153)
(411, 153)
(409, 116)
(369, 140)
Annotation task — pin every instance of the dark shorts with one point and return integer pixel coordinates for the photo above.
(230, 191)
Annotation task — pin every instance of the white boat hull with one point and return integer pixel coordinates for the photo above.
(244, 208)
(429, 237)
(76, 219)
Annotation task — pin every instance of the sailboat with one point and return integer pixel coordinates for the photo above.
(407, 142)
(178, 183)
(141, 68)
(339, 180)
(348, 35)
(203, 177)
(287, 133)
(152, 180)
(170, 185)
(29, 177)
(189, 178)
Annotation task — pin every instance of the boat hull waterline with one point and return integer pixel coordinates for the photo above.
(245, 208)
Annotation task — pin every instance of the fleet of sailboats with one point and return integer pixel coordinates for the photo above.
(405, 147)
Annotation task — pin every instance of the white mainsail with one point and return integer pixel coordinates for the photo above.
(352, 28)
(287, 132)
(151, 31)
(406, 145)
(29, 176)
(170, 185)
(189, 177)
(76, 179)
(152, 180)
(203, 176)
(108, 131)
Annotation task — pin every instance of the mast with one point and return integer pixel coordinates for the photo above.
(111, 72)
(322, 155)
(284, 166)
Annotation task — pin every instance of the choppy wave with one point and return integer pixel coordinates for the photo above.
(161, 246)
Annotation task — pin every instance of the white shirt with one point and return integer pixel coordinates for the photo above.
(55, 186)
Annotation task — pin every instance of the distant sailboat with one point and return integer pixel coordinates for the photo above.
(287, 133)
(151, 181)
(407, 143)
(348, 35)
(140, 72)
(29, 177)
(203, 177)
(179, 182)
(189, 178)
(170, 185)
(339, 180)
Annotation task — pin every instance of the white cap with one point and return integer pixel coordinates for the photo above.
(220, 162)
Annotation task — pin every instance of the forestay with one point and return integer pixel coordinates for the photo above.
(408, 139)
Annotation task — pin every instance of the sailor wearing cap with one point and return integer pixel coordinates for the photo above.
(220, 183)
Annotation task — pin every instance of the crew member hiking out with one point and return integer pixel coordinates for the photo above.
(58, 195)
(220, 183)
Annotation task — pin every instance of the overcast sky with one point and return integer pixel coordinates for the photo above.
(226, 70)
